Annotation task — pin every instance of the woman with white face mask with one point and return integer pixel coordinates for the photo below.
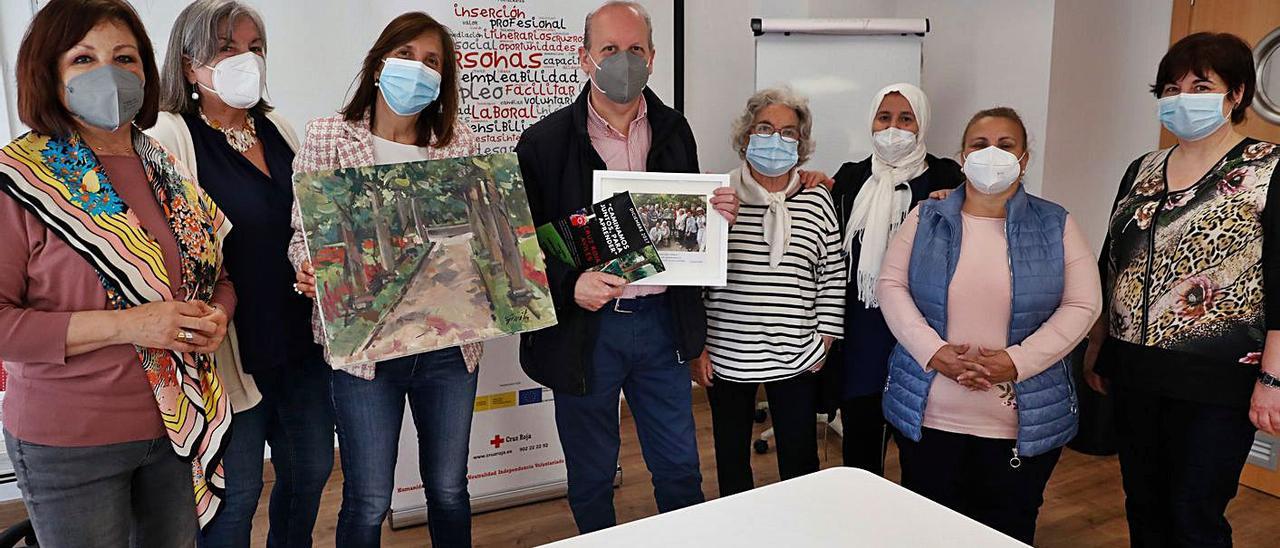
(241, 153)
(1192, 325)
(987, 292)
(873, 197)
(404, 109)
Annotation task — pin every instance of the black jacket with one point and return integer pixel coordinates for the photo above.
(943, 173)
(858, 364)
(557, 161)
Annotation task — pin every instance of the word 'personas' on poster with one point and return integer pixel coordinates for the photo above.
(420, 256)
(517, 63)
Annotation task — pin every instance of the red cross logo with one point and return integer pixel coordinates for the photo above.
(496, 442)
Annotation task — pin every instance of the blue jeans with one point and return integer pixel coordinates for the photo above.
(441, 396)
(296, 418)
(635, 353)
(126, 494)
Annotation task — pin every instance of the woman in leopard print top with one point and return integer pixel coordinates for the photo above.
(1190, 270)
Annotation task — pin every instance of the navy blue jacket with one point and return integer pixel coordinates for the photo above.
(558, 162)
(859, 363)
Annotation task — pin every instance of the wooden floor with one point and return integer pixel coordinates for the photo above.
(1084, 504)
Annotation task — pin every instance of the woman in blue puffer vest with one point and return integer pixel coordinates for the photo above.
(987, 292)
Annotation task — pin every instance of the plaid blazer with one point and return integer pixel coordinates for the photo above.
(334, 143)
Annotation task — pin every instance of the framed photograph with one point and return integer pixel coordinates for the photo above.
(692, 239)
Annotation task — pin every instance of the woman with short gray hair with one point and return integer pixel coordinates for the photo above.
(783, 305)
(216, 122)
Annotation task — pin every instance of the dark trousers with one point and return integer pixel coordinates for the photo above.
(1181, 463)
(295, 417)
(635, 354)
(866, 434)
(973, 476)
(793, 407)
(441, 395)
(136, 494)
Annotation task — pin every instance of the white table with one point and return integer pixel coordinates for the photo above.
(833, 507)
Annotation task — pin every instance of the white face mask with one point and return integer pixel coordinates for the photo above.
(893, 144)
(238, 79)
(992, 170)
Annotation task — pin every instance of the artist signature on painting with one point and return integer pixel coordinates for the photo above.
(515, 316)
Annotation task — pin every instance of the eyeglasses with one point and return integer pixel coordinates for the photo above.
(765, 129)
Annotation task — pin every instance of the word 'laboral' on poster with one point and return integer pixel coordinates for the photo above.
(517, 64)
(420, 256)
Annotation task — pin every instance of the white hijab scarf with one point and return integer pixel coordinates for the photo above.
(881, 206)
(777, 219)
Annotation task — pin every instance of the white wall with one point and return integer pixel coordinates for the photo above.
(14, 16)
(1101, 116)
(979, 54)
(1076, 70)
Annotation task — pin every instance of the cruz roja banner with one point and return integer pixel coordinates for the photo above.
(515, 455)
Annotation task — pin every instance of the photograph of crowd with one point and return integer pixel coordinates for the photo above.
(676, 222)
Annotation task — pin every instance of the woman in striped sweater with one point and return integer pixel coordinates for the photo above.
(774, 321)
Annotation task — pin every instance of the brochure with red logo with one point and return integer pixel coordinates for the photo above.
(607, 237)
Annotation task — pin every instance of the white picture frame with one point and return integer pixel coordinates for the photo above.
(689, 259)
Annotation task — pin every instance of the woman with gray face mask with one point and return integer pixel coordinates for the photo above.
(112, 295)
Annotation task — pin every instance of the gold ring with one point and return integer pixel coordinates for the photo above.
(185, 336)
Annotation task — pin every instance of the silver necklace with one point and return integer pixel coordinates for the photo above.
(240, 138)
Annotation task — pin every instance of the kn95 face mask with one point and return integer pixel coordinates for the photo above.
(992, 170)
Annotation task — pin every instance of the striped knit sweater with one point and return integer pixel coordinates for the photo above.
(766, 323)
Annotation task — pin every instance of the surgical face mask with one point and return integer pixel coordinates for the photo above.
(621, 77)
(238, 79)
(893, 144)
(992, 170)
(106, 97)
(408, 86)
(772, 155)
(1192, 116)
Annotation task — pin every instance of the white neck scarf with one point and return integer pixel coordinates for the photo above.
(881, 205)
(777, 219)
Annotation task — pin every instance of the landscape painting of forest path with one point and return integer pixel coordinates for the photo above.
(445, 254)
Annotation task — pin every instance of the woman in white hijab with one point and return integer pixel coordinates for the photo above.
(872, 197)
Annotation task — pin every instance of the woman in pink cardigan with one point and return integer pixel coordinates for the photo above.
(405, 109)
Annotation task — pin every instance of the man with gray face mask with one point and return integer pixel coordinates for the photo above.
(613, 338)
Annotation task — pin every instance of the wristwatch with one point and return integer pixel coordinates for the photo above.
(1268, 380)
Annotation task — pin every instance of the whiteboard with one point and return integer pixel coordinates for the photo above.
(839, 74)
(315, 48)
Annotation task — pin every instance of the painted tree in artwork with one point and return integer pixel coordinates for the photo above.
(371, 186)
(406, 189)
(467, 191)
(486, 204)
(340, 210)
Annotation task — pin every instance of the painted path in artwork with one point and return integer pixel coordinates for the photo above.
(438, 307)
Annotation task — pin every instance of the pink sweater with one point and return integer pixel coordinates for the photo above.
(97, 398)
(624, 153)
(978, 314)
